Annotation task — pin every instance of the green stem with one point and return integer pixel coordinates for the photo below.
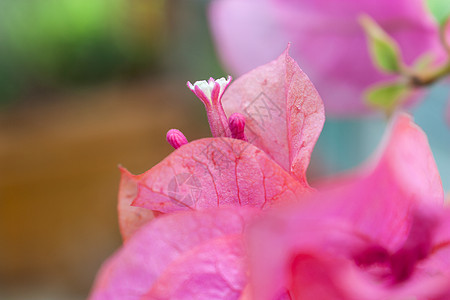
(427, 78)
(431, 76)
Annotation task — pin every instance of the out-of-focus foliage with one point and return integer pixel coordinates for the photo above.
(440, 10)
(383, 49)
(52, 43)
(386, 95)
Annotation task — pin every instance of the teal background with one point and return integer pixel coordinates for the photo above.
(345, 143)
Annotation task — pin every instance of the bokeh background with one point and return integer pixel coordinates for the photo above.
(86, 85)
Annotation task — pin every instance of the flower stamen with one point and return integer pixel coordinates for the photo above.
(176, 138)
(210, 93)
(236, 122)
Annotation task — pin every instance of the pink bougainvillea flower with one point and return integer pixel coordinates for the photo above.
(329, 43)
(257, 156)
(379, 233)
(186, 255)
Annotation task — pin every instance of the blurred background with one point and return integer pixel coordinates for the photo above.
(86, 85)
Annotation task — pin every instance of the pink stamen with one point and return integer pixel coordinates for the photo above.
(176, 138)
(236, 122)
(210, 93)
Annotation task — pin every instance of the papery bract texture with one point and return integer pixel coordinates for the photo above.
(186, 255)
(131, 218)
(328, 42)
(284, 113)
(215, 172)
(276, 116)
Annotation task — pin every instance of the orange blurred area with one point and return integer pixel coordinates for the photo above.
(59, 179)
(82, 91)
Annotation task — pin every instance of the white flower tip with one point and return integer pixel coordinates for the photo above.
(207, 87)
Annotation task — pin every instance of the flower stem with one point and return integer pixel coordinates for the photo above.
(431, 76)
(427, 78)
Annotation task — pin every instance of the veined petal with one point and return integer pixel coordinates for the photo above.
(283, 112)
(215, 172)
(131, 218)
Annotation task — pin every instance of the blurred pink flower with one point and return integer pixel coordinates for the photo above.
(328, 42)
(275, 118)
(376, 233)
(186, 255)
(380, 233)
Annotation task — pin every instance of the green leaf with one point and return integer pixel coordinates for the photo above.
(387, 95)
(383, 49)
(440, 9)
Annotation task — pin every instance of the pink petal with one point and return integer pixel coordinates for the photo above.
(234, 22)
(328, 42)
(206, 243)
(130, 218)
(439, 260)
(215, 172)
(316, 276)
(309, 251)
(283, 112)
(372, 206)
(327, 277)
(305, 250)
(215, 270)
(401, 175)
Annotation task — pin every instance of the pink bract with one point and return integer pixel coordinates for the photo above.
(329, 43)
(237, 219)
(284, 113)
(187, 255)
(379, 233)
(282, 116)
(130, 217)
